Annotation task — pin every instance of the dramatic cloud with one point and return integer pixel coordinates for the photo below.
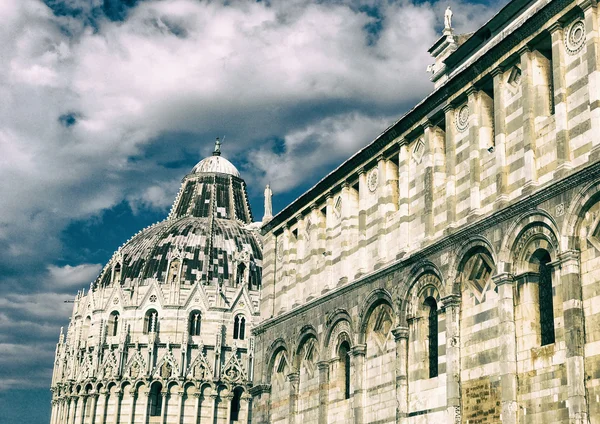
(110, 103)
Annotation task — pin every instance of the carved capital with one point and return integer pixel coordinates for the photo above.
(448, 107)
(503, 278)
(452, 300)
(556, 26)
(400, 333)
(359, 350)
(293, 377)
(323, 365)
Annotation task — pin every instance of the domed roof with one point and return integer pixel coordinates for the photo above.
(207, 231)
(207, 248)
(216, 163)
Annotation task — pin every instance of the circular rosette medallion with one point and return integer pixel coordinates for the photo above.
(462, 118)
(373, 179)
(575, 38)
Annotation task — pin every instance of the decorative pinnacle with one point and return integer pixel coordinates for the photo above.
(217, 151)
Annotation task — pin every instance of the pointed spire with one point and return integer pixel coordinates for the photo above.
(217, 151)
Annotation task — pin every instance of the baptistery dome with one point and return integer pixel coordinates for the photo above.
(163, 334)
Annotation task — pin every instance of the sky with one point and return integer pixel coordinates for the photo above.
(106, 105)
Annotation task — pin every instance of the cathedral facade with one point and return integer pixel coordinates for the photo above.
(164, 333)
(449, 272)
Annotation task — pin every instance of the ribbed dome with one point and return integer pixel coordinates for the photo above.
(206, 231)
(216, 164)
(197, 242)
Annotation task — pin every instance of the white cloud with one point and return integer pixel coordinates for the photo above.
(72, 277)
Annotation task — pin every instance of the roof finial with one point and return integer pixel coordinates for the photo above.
(217, 151)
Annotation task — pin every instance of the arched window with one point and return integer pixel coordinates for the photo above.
(151, 322)
(117, 273)
(546, 304)
(433, 336)
(344, 364)
(239, 327)
(155, 400)
(194, 325)
(113, 324)
(241, 269)
(85, 329)
(236, 404)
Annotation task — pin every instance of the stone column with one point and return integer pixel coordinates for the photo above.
(94, 399)
(213, 405)
(196, 396)
(563, 151)
(133, 396)
(590, 10)
(528, 123)
(450, 166)
(146, 401)
(84, 406)
(180, 412)
(500, 139)
(247, 399)
(401, 338)
(294, 379)
(358, 353)
(228, 399)
(323, 367)
(72, 406)
(508, 347)
(403, 199)
(118, 398)
(453, 391)
(163, 406)
(573, 318)
(102, 405)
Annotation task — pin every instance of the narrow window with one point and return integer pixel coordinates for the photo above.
(113, 324)
(155, 400)
(117, 273)
(241, 269)
(150, 321)
(239, 327)
(345, 367)
(194, 327)
(433, 337)
(545, 302)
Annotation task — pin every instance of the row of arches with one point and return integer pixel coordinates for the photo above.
(142, 402)
(423, 313)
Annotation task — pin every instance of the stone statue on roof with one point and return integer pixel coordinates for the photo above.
(268, 203)
(448, 18)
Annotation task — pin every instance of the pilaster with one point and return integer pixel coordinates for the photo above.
(508, 347)
(323, 367)
(573, 318)
(429, 133)
(563, 150)
(401, 338)
(403, 199)
(450, 167)
(528, 123)
(474, 154)
(294, 379)
(358, 353)
(453, 390)
(500, 139)
(591, 17)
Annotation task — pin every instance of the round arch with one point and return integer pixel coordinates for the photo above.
(581, 203)
(376, 298)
